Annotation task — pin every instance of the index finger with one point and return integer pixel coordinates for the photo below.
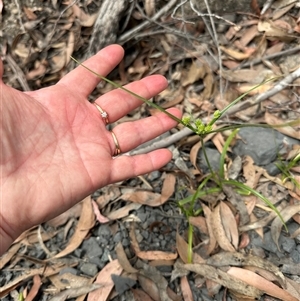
(82, 81)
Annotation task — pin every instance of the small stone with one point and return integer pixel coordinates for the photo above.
(104, 231)
(89, 269)
(68, 270)
(118, 237)
(295, 255)
(122, 284)
(288, 244)
(91, 248)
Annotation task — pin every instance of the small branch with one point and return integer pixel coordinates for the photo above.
(18, 72)
(268, 57)
(130, 34)
(267, 5)
(261, 97)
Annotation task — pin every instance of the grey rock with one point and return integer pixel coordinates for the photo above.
(105, 256)
(78, 252)
(288, 244)
(91, 248)
(264, 145)
(292, 269)
(145, 234)
(295, 255)
(213, 157)
(267, 243)
(104, 231)
(154, 175)
(68, 270)
(117, 237)
(142, 216)
(122, 284)
(125, 242)
(89, 269)
(272, 169)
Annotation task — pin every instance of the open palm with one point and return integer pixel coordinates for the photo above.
(55, 148)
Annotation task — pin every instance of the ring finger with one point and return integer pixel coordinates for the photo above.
(118, 102)
(131, 134)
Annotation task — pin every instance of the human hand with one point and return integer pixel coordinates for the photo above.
(55, 148)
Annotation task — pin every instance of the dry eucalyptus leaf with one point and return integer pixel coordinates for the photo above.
(105, 281)
(143, 197)
(85, 223)
(276, 226)
(182, 249)
(168, 187)
(148, 255)
(123, 260)
(46, 271)
(123, 211)
(236, 54)
(186, 289)
(240, 260)
(286, 130)
(140, 295)
(6, 257)
(75, 292)
(229, 224)
(212, 239)
(100, 218)
(219, 231)
(224, 279)
(37, 282)
(261, 284)
(212, 287)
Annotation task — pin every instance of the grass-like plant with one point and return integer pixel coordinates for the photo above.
(202, 129)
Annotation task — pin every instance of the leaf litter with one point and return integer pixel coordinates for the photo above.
(254, 51)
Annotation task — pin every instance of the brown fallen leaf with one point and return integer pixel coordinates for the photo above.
(85, 223)
(286, 130)
(123, 211)
(143, 197)
(155, 284)
(37, 282)
(168, 187)
(75, 292)
(261, 283)
(219, 231)
(148, 255)
(212, 287)
(100, 218)
(236, 54)
(286, 214)
(240, 260)
(186, 289)
(123, 260)
(104, 280)
(249, 172)
(140, 295)
(67, 280)
(6, 257)
(224, 279)
(46, 271)
(212, 240)
(229, 224)
(182, 249)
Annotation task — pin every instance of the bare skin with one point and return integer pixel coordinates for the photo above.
(55, 149)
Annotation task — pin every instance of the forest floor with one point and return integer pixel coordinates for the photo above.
(136, 245)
